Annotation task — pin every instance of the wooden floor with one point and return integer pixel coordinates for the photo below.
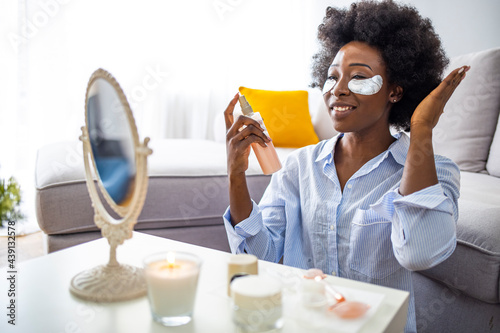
(27, 247)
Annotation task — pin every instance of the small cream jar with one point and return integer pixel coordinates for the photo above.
(256, 304)
(241, 264)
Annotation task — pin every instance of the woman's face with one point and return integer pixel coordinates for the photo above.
(367, 108)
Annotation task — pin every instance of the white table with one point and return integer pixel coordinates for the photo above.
(44, 303)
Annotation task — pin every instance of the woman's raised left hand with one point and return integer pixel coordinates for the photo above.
(430, 109)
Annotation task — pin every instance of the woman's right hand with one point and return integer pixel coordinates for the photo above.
(238, 142)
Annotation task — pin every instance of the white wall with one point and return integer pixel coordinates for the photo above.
(464, 25)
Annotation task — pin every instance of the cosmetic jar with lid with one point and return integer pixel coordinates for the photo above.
(256, 304)
(240, 265)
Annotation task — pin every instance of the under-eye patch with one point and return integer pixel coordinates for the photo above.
(368, 86)
(329, 84)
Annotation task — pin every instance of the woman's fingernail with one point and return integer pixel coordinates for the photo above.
(461, 70)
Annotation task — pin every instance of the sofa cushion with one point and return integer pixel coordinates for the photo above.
(465, 131)
(183, 190)
(440, 309)
(318, 110)
(474, 267)
(286, 115)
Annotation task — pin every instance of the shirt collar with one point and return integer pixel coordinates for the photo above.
(328, 147)
(398, 149)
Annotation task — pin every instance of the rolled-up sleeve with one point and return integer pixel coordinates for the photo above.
(424, 223)
(249, 227)
(263, 232)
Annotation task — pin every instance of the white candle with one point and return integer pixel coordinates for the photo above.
(172, 283)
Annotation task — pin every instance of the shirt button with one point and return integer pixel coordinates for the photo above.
(349, 185)
(333, 273)
(331, 227)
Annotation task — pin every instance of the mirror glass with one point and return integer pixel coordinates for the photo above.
(111, 141)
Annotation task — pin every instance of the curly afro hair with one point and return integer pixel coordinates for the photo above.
(409, 46)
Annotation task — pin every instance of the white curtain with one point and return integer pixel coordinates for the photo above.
(178, 62)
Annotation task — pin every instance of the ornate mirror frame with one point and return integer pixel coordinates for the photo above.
(114, 281)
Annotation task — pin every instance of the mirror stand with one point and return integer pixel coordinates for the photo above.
(113, 281)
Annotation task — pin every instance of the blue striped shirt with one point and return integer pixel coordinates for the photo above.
(368, 232)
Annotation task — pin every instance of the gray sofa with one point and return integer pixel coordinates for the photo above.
(462, 294)
(186, 199)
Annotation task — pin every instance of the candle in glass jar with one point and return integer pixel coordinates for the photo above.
(172, 282)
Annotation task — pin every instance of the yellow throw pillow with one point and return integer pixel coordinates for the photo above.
(286, 116)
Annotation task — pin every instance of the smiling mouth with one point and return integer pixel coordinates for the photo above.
(343, 108)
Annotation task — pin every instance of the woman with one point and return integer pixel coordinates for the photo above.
(364, 205)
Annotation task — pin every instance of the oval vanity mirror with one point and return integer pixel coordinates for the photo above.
(115, 160)
(112, 141)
